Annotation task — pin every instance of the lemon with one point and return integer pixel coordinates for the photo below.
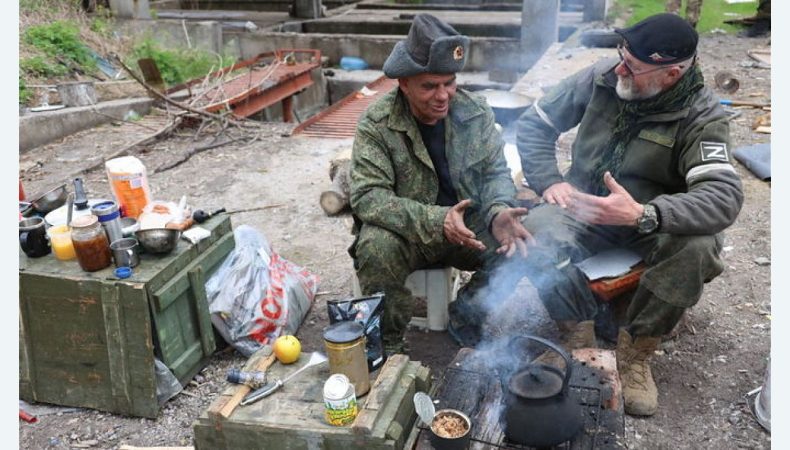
(287, 349)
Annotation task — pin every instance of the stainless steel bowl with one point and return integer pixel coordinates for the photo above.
(158, 240)
(129, 225)
(26, 209)
(51, 200)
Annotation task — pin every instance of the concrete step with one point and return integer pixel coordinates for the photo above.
(39, 128)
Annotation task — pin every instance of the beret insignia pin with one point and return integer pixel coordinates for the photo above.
(458, 53)
(657, 57)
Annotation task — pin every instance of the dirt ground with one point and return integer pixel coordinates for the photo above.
(702, 374)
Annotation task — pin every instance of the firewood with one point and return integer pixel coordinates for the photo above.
(335, 199)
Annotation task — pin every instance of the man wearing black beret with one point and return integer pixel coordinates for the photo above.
(651, 171)
(429, 182)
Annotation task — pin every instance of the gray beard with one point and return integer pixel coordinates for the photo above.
(625, 90)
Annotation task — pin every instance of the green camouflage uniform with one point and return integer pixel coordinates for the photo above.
(679, 162)
(693, 9)
(399, 227)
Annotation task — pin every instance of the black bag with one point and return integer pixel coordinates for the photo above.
(365, 311)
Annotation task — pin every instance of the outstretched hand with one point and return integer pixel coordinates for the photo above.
(617, 208)
(455, 229)
(559, 194)
(510, 233)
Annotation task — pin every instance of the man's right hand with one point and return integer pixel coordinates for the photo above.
(456, 231)
(559, 194)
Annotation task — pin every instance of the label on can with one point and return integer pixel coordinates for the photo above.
(340, 400)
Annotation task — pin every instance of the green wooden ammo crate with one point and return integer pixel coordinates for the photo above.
(90, 339)
(293, 417)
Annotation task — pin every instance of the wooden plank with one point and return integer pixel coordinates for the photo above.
(171, 291)
(380, 391)
(116, 347)
(27, 384)
(201, 304)
(137, 331)
(223, 406)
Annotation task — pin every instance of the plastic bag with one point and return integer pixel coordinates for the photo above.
(366, 311)
(257, 294)
(167, 384)
(129, 184)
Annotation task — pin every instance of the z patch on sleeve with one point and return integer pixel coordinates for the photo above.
(714, 150)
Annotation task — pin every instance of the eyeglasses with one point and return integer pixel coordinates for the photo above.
(632, 72)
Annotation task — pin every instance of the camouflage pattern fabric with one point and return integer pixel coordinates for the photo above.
(394, 187)
(678, 267)
(693, 10)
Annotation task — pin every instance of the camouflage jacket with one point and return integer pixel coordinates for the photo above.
(393, 181)
(680, 161)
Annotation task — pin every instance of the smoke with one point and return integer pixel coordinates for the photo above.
(512, 308)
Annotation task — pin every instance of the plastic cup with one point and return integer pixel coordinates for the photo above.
(60, 241)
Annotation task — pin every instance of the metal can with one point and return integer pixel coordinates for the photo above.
(345, 348)
(109, 218)
(340, 400)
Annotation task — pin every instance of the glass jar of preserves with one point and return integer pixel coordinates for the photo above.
(90, 243)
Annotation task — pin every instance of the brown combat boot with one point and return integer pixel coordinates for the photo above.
(639, 389)
(573, 335)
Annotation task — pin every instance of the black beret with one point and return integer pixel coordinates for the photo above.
(661, 39)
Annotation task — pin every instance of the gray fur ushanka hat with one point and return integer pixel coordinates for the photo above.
(432, 46)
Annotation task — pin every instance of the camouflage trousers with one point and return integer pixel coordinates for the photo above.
(678, 267)
(693, 9)
(383, 260)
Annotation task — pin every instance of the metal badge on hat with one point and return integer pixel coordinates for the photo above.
(458, 53)
(657, 57)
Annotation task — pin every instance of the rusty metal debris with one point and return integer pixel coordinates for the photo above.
(339, 121)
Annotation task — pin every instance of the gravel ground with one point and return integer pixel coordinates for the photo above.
(702, 374)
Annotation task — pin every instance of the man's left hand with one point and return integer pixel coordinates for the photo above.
(617, 208)
(510, 233)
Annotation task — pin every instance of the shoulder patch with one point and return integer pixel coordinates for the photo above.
(713, 151)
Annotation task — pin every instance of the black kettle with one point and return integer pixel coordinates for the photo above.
(540, 410)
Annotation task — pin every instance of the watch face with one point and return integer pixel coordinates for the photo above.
(648, 224)
(649, 220)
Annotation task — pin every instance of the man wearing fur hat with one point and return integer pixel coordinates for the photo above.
(651, 171)
(429, 181)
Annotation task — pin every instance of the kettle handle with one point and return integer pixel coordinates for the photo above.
(568, 369)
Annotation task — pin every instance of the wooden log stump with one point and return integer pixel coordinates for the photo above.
(336, 199)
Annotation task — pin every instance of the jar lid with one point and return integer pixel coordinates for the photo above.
(106, 207)
(84, 221)
(342, 332)
(123, 272)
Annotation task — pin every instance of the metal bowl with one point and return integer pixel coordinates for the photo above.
(158, 240)
(26, 209)
(129, 225)
(50, 200)
(507, 105)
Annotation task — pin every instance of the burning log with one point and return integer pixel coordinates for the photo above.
(335, 199)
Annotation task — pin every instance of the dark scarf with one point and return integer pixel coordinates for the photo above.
(626, 127)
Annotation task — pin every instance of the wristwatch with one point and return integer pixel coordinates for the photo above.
(648, 222)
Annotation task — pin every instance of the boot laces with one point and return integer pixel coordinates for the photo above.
(637, 369)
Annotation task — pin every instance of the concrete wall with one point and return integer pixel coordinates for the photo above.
(44, 127)
(485, 53)
(171, 33)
